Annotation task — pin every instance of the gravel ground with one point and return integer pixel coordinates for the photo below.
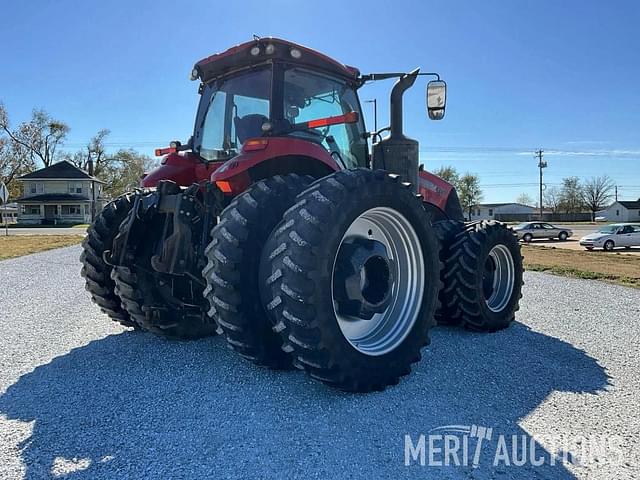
(81, 397)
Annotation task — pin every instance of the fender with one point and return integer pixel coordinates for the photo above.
(266, 156)
(180, 168)
(183, 168)
(440, 193)
(433, 189)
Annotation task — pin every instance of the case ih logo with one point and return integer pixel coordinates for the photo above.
(474, 446)
(429, 185)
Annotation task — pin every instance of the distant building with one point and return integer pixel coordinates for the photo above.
(501, 211)
(621, 211)
(9, 213)
(58, 194)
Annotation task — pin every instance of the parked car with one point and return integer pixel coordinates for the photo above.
(611, 236)
(529, 230)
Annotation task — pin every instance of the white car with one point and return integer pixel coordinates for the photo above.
(611, 236)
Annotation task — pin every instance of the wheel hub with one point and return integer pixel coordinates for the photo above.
(378, 280)
(363, 278)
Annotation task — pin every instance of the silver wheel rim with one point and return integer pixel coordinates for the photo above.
(503, 278)
(385, 331)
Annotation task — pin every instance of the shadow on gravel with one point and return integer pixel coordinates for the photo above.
(135, 406)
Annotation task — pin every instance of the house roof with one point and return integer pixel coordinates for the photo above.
(53, 197)
(61, 170)
(630, 205)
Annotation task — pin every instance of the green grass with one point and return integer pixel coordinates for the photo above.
(585, 274)
(19, 245)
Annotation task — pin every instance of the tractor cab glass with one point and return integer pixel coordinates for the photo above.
(310, 96)
(238, 106)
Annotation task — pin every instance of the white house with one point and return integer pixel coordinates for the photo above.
(58, 194)
(9, 213)
(489, 211)
(622, 211)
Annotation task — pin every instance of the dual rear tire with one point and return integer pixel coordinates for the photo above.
(350, 280)
(482, 275)
(232, 269)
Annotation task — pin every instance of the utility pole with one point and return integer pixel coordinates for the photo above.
(616, 193)
(541, 164)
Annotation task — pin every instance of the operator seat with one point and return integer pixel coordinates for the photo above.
(249, 126)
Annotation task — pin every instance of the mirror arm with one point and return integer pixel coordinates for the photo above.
(384, 76)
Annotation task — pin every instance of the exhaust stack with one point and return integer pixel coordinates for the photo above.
(397, 153)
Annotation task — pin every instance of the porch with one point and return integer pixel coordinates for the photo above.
(47, 213)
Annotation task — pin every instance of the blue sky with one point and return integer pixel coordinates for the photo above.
(563, 76)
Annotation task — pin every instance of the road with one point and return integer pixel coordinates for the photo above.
(80, 395)
(45, 231)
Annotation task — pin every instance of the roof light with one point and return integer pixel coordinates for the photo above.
(295, 53)
(269, 49)
(266, 127)
(255, 51)
(194, 74)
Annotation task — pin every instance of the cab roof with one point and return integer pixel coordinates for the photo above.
(268, 48)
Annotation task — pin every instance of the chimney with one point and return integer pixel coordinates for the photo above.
(90, 167)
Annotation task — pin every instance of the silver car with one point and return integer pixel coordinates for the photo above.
(530, 230)
(611, 236)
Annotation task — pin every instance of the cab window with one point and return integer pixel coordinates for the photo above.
(310, 96)
(238, 106)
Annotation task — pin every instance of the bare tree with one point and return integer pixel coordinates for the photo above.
(571, 198)
(597, 193)
(553, 198)
(15, 159)
(525, 199)
(94, 151)
(448, 174)
(41, 136)
(469, 192)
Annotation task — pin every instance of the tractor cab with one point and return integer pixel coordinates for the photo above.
(274, 88)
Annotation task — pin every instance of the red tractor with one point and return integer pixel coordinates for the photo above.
(276, 226)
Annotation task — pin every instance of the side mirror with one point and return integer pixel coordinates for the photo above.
(436, 99)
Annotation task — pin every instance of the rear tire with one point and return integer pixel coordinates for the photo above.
(96, 273)
(563, 236)
(449, 312)
(232, 269)
(170, 306)
(483, 278)
(303, 272)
